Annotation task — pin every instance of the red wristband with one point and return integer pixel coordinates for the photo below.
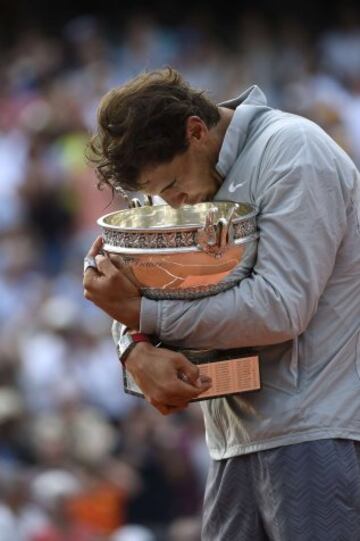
(128, 341)
(139, 337)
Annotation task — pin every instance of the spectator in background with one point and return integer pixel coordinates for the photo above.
(53, 490)
(21, 519)
(133, 532)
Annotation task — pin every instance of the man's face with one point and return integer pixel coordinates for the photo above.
(190, 177)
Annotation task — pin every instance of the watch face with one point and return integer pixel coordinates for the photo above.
(124, 342)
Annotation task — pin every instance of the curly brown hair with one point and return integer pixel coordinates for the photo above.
(143, 123)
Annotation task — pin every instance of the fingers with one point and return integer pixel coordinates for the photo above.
(117, 260)
(125, 268)
(104, 265)
(189, 373)
(96, 247)
(90, 266)
(175, 393)
(107, 275)
(168, 379)
(94, 276)
(182, 383)
(116, 275)
(189, 370)
(179, 392)
(203, 382)
(89, 263)
(183, 390)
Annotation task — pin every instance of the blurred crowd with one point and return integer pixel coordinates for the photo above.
(79, 459)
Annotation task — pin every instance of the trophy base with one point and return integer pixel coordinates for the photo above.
(231, 372)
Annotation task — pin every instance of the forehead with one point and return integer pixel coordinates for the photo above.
(154, 176)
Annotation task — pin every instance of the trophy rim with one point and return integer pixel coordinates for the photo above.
(167, 251)
(218, 227)
(102, 221)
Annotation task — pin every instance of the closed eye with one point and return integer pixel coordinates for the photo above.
(171, 185)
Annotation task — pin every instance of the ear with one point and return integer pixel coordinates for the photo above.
(196, 129)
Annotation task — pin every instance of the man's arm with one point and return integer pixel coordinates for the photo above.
(302, 221)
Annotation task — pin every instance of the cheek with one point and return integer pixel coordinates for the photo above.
(202, 182)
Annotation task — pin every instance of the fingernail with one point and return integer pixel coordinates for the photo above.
(203, 380)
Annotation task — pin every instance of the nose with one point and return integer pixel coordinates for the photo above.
(177, 200)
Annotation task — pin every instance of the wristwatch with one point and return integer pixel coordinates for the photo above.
(127, 343)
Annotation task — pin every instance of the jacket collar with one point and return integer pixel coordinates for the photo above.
(247, 106)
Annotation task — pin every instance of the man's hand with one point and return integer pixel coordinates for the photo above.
(167, 378)
(112, 289)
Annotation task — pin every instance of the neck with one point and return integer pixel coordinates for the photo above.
(225, 119)
(220, 129)
(218, 134)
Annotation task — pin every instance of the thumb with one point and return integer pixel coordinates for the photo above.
(190, 372)
(96, 247)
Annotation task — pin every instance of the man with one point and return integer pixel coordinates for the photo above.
(286, 459)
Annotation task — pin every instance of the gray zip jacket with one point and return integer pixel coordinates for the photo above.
(301, 305)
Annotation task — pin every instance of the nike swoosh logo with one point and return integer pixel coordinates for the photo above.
(232, 187)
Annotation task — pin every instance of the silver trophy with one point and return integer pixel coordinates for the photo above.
(189, 253)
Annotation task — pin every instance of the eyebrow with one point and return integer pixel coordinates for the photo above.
(168, 186)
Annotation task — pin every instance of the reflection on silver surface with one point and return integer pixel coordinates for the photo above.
(182, 253)
(165, 217)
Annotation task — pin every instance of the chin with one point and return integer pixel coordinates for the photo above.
(200, 199)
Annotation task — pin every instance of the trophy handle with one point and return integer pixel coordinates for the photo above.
(135, 201)
(215, 236)
(148, 201)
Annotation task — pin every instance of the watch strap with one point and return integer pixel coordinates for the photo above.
(127, 343)
(139, 337)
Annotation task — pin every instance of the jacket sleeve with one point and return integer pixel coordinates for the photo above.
(302, 221)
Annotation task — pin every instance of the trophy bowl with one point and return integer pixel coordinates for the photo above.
(183, 253)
